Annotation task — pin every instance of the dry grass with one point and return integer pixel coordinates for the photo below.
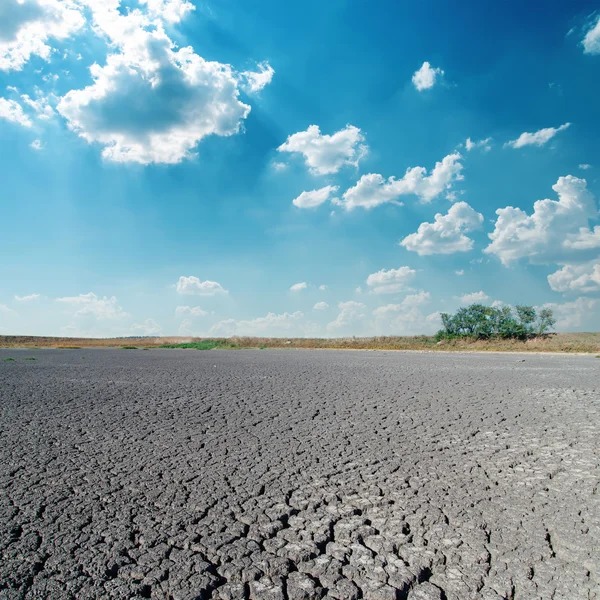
(561, 342)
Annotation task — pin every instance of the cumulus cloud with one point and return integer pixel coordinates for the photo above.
(270, 325)
(315, 198)
(148, 327)
(426, 76)
(180, 98)
(37, 145)
(193, 286)
(392, 281)
(591, 41)
(350, 312)
(373, 190)
(539, 138)
(446, 234)
(554, 231)
(323, 287)
(407, 317)
(585, 166)
(460, 272)
(255, 81)
(29, 298)
(577, 278)
(190, 311)
(485, 144)
(41, 106)
(321, 306)
(26, 27)
(572, 315)
(12, 111)
(474, 298)
(102, 309)
(327, 154)
(411, 301)
(298, 287)
(171, 11)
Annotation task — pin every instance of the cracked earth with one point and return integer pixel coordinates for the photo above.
(298, 475)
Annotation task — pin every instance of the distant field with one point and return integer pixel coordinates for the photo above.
(560, 342)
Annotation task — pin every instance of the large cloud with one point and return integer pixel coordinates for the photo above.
(27, 25)
(392, 281)
(193, 286)
(577, 278)
(373, 190)
(151, 103)
(326, 154)
(539, 138)
(555, 231)
(446, 234)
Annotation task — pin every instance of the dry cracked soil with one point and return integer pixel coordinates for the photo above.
(274, 475)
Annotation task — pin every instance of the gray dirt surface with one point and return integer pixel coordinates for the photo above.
(297, 475)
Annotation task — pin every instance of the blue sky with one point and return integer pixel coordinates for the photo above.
(324, 169)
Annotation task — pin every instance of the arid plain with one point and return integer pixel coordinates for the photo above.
(300, 474)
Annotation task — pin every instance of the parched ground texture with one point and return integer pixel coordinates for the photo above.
(295, 475)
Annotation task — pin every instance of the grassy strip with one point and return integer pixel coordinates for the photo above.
(204, 345)
(9, 360)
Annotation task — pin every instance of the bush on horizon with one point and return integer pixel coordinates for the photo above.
(481, 322)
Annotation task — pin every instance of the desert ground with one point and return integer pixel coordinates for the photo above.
(295, 475)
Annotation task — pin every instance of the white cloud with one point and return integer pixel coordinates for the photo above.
(323, 287)
(315, 198)
(412, 301)
(372, 190)
(446, 234)
(556, 229)
(193, 311)
(41, 106)
(193, 285)
(460, 272)
(426, 76)
(255, 81)
(151, 103)
(474, 298)
(148, 327)
(485, 144)
(571, 315)
(172, 11)
(321, 306)
(27, 25)
(350, 312)
(539, 138)
(37, 145)
(327, 154)
(279, 166)
(12, 111)
(29, 298)
(591, 41)
(584, 240)
(392, 281)
(577, 278)
(102, 309)
(298, 287)
(270, 325)
(585, 166)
